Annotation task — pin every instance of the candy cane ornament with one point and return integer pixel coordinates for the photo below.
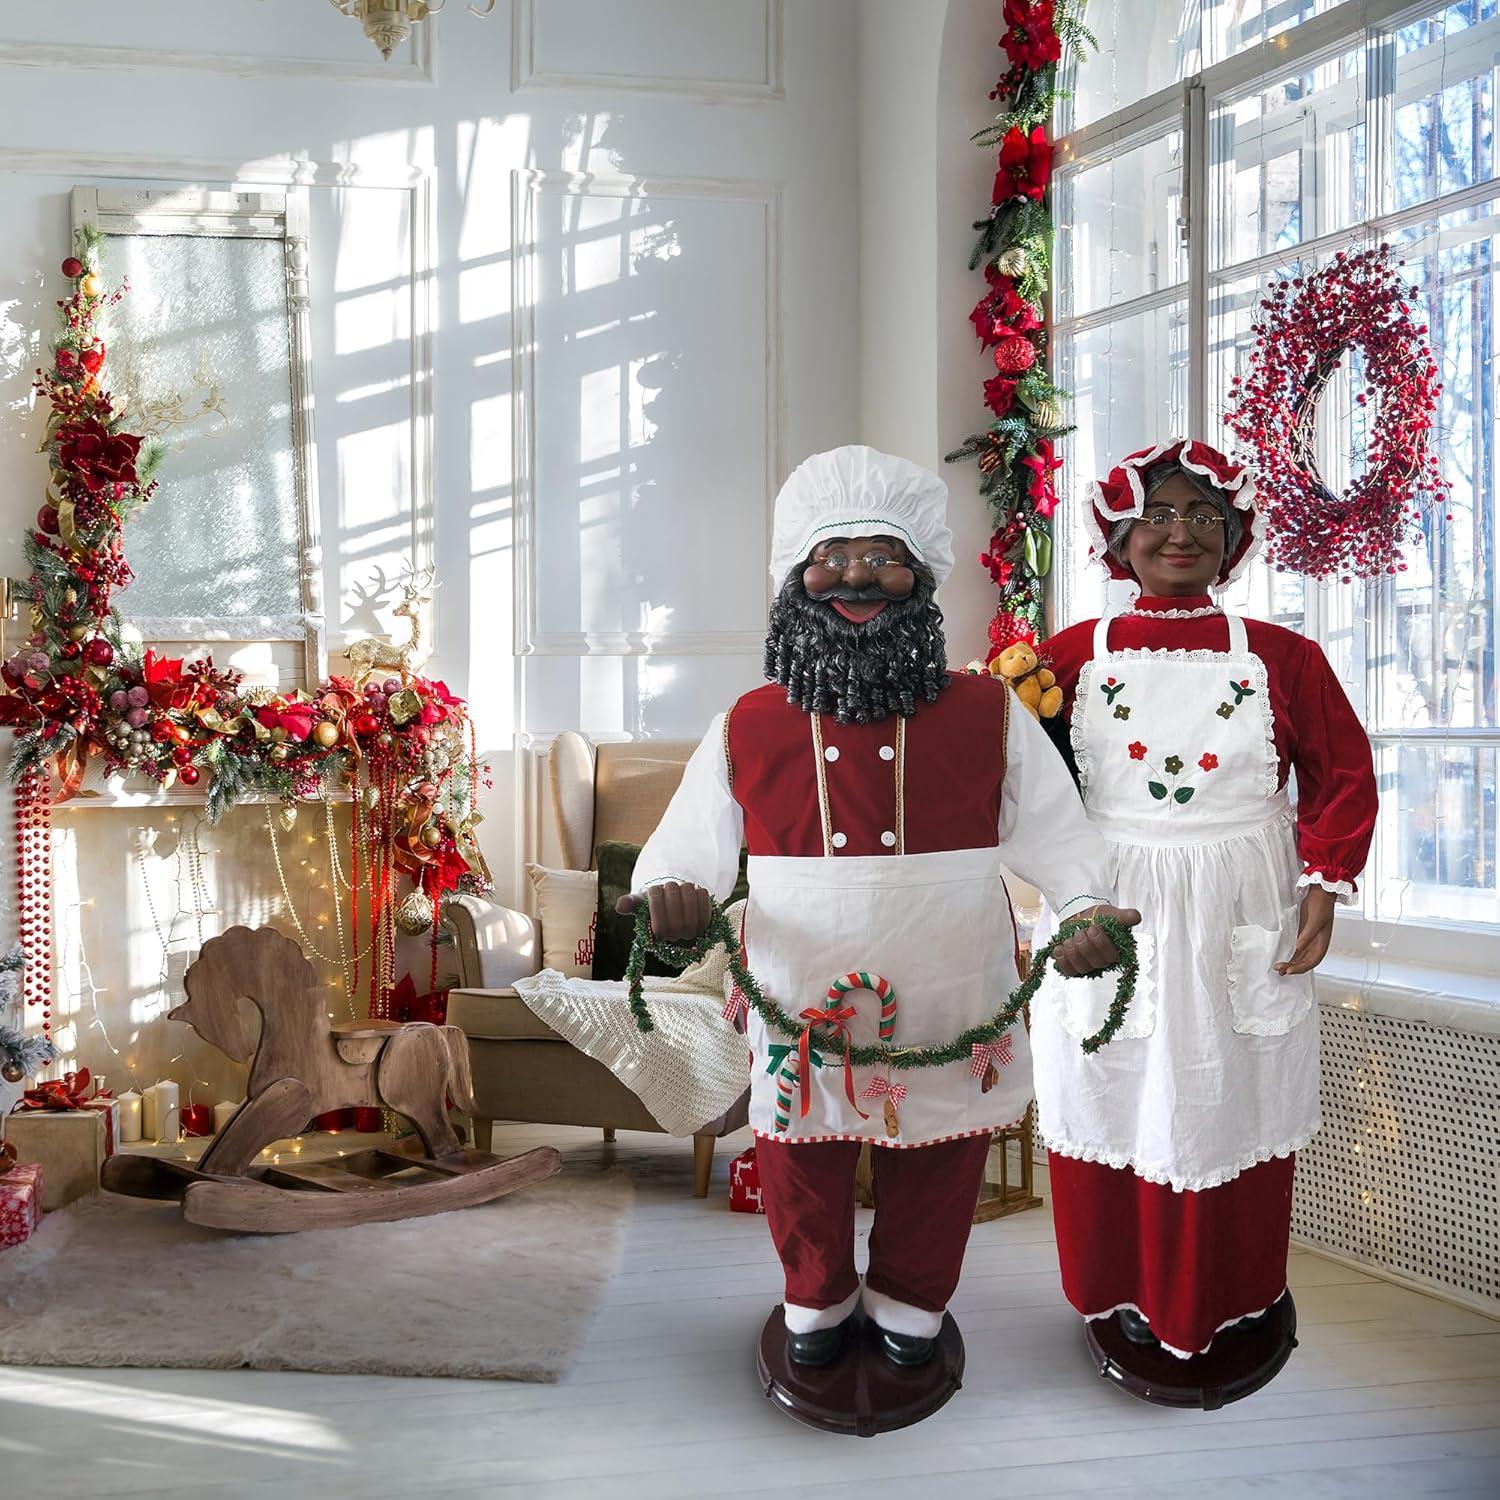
(786, 1086)
(882, 988)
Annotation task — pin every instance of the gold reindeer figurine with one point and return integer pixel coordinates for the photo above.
(374, 653)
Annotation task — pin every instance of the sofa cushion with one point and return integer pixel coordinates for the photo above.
(613, 935)
(497, 1015)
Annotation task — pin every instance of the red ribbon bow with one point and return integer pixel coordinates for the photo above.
(883, 1086)
(68, 1092)
(839, 1020)
(999, 1053)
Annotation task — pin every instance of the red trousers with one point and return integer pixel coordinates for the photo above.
(924, 1206)
(1187, 1262)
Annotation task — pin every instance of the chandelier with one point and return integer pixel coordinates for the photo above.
(388, 23)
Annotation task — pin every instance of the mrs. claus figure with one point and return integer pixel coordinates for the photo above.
(881, 799)
(1172, 1149)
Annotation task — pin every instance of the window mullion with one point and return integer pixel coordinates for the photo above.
(1195, 199)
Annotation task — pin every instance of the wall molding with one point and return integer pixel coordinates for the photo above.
(772, 90)
(416, 69)
(526, 187)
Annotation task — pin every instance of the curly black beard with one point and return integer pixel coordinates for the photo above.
(858, 673)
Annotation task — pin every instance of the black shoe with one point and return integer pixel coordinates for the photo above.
(820, 1347)
(905, 1349)
(1135, 1327)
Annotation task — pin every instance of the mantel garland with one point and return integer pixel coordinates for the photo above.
(1360, 303)
(78, 691)
(1017, 455)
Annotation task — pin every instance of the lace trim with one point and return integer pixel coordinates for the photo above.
(1084, 694)
(1126, 1161)
(1345, 890)
(1203, 612)
(1171, 1349)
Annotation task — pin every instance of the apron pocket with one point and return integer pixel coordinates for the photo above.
(1264, 1002)
(1083, 1004)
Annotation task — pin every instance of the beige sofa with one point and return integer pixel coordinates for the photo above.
(523, 1070)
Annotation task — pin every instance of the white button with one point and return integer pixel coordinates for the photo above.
(887, 753)
(839, 840)
(831, 753)
(888, 839)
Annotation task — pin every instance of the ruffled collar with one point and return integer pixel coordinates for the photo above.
(1180, 606)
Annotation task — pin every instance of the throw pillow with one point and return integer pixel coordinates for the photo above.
(567, 902)
(614, 934)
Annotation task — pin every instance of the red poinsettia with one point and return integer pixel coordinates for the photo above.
(290, 714)
(1025, 165)
(1043, 465)
(1030, 40)
(1002, 311)
(91, 456)
(999, 394)
(165, 681)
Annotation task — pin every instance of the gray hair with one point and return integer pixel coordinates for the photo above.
(1156, 477)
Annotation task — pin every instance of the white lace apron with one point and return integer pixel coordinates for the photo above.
(1216, 1067)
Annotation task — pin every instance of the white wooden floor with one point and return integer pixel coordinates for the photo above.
(1391, 1394)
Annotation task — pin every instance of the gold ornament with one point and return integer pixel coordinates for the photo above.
(279, 752)
(1012, 262)
(91, 285)
(372, 797)
(326, 734)
(405, 706)
(414, 914)
(80, 632)
(287, 817)
(431, 836)
(1049, 412)
(12, 1072)
(385, 739)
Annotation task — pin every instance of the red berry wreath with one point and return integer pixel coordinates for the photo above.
(1357, 302)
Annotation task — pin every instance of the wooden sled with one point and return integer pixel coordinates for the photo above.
(300, 1067)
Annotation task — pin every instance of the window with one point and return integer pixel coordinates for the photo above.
(1373, 122)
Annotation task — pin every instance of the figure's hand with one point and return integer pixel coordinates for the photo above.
(1314, 933)
(679, 910)
(1092, 948)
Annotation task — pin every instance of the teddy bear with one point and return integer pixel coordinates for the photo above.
(1034, 684)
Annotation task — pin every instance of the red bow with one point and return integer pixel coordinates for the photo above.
(734, 1005)
(839, 1020)
(999, 1053)
(879, 1086)
(68, 1092)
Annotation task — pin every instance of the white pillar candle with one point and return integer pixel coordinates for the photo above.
(130, 1117)
(223, 1114)
(160, 1119)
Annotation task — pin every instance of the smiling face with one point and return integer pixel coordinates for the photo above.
(1177, 547)
(857, 577)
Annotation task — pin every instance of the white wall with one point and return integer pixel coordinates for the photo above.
(688, 178)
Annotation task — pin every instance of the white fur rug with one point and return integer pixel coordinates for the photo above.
(503, 1291)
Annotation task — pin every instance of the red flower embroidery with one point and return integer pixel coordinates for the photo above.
(1137, 751)
(1209, 762)
(1025, 164)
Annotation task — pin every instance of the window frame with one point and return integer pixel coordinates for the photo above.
(1365, 940)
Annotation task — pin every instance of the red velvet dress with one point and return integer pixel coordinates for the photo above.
(1193, 1261)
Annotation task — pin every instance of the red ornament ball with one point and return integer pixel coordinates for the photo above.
(70, 651)
(98, 652)
(1014, 355)
(47, 520)
(366, 723)
(189, 775)
(182, 755)
(72, 266)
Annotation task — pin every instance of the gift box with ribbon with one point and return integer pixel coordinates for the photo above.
(744, 1184)
(20, 1203)
(68, 1131)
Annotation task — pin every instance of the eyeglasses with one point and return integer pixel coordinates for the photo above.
(1197, 520)
(837, 561)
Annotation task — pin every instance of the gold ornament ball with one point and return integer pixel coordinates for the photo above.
(326, 734)
(287, 817)
(279, 752)
(431, 836)
(414, 914)
(80, 632)
(385, 739)
(92, 284)
(1012, 262)
(372, 797)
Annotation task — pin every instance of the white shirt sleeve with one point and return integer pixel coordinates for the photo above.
(699, 836)
(1045, 835)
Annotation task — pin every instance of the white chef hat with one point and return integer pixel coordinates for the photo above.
(858, 491)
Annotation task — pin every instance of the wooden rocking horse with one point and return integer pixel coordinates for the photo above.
(301, 1067)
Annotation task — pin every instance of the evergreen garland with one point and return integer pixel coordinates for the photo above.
(882, 1055)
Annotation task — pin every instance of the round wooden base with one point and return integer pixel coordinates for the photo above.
(861, 1392)
(1237, 1364)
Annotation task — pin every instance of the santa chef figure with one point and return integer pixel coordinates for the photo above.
(882, 800)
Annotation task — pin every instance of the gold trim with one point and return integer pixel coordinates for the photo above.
(820, 768)
(728, 758)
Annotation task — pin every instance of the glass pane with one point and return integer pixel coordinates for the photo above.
(1288, 161)
(1444, 128)
(1235, 28)
(1144, 46)
(199, 354)
(1117, 232)
(1436, 849)
(1130, 388)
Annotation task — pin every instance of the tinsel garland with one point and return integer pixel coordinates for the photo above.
(1016, 453)
(882, 1055)
(1358, 303)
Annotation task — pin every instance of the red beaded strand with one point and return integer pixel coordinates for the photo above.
(33, 829)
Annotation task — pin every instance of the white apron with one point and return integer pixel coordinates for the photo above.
(938, 928)
(1216, 1067)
